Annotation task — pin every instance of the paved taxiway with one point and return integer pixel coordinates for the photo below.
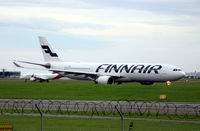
(100, 117)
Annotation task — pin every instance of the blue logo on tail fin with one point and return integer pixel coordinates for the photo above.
(47, 50)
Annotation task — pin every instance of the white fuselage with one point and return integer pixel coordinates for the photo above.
(139, 72)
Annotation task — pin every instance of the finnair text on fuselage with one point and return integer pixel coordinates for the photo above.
(107, 68)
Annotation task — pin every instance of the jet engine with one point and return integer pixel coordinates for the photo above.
(105, 80)
(147, 83)
(32, 79)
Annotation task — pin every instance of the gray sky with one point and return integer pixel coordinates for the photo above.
(149, 31)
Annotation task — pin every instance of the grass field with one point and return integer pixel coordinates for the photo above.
(179, 91)
(30, 123)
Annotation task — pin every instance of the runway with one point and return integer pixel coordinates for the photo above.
(139, 107)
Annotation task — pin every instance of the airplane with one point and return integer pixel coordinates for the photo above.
(108, 73)
(40, 77)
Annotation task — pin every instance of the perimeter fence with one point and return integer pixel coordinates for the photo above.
(101, 108)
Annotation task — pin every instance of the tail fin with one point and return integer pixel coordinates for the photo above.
(47, 51)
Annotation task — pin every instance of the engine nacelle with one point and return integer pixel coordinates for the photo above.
(105, 80)
(32, 79)
(147, 83)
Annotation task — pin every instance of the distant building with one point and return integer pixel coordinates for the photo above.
(193, 75)
(9, 74)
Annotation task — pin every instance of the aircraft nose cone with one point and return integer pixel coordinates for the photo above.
(182, 74)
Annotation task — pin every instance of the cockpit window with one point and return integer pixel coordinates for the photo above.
(176, 69)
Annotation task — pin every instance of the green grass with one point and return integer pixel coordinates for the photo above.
(179, 91)
(30, 123)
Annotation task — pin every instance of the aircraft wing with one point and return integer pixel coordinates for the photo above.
(17, 65)
(20, 66)
(88, 74)
(43, 65)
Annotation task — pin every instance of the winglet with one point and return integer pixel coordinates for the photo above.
(17, 65)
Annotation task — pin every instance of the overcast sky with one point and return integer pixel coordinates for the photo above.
(149, 31)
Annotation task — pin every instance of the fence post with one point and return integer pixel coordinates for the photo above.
(122, 118)
(40, 115)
